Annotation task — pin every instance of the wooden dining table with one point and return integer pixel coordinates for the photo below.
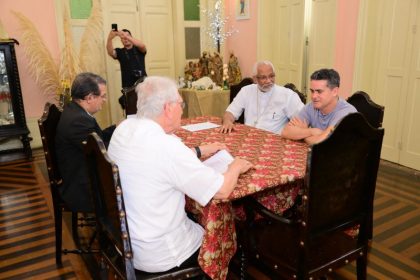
(275, 180)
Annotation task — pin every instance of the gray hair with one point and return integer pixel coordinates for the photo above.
(152, 94)
(258, 64)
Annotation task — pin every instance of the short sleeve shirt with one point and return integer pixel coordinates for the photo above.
(316, 119)
(132, 65)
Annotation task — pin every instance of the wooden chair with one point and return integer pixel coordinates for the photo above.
(234, 90)
(130, 97)
(47, 128)
(112, 226)
(373, 112)
(301, 95)
(338, 193)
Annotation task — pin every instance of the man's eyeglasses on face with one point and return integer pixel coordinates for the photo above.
(264, 78)
(181, 103)
(97, 96)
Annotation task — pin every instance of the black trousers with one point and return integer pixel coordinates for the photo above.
(191, 261)
(122, 101)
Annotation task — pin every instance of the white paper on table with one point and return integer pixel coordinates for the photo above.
(200, 126)
(219, 161)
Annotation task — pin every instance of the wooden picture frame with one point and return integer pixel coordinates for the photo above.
(242, 9)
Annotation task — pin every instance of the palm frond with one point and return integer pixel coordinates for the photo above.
(3, 33)
(92, 47)
(69, 66)
(41, 65)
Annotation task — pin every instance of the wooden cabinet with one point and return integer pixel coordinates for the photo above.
(14, 139)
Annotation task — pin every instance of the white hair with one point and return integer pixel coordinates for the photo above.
(153, 93)
(259, 63)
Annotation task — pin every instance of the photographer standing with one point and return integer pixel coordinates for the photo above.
(131, 58)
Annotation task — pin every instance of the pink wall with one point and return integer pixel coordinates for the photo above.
(42, 14)
(345, 48)
(243, 43)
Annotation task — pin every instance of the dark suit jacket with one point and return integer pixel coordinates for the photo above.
(73, 128)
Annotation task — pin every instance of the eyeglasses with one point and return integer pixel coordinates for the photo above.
(264, 78)
(181, 103)
(95, 96)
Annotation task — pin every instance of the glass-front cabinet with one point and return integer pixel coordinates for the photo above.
(6, 105)
(13, 129)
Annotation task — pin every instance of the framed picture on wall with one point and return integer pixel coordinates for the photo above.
(242, 9)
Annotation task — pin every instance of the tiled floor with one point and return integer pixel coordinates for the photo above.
(27, 228)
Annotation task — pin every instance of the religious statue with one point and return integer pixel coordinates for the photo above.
(204, 83)
(225, 77)
(235, 75)
(196, 71)
(204, 64)
(218, 69)
(211, 68)
(188, 71)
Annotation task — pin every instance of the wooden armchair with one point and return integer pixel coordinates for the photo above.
(373, 112)
(338, 193)
(130, 98)
(112, 226)
(47, 128)
(301, 95)
(234, 90)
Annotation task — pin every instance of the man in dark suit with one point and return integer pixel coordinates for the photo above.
(88, 93)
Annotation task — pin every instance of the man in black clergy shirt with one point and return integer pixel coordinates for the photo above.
(88, 93)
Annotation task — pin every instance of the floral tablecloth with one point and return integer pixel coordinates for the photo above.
(275, 181)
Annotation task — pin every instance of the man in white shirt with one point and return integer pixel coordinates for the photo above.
(267, 106)
(157, 170)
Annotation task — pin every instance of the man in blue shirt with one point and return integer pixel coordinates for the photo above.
(318, 118)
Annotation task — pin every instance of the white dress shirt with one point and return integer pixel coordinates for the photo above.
(270, 110)
(157, 170)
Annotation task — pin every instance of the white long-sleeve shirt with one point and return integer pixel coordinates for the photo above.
(270, 110)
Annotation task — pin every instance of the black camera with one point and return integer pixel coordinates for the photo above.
(114, 27)
(137, 74)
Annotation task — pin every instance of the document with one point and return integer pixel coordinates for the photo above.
(219, 161)
(200, 126)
